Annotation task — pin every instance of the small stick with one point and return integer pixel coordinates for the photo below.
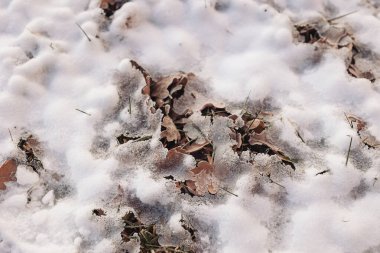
(83, 32)
(144, 138)
(10, 134)
(224, 189)
(322, 172)
(271, 180)
(83, 112)
(130, 105)
(245, 103)
(348, 153)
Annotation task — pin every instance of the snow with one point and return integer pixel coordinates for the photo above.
(49, 69)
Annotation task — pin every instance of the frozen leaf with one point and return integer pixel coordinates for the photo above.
(212, 111)
(7, 172)
(171, 132)
(187, 187)
(204, 167)
(212, 189)
(356, 121)
(255, 125)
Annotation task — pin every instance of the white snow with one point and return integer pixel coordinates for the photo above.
(48, 69)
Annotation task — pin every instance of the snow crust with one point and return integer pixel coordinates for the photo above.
(48, 69)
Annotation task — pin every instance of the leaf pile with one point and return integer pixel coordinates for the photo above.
(148, 236)
(326, 34)
(7, 172)
(252, 136)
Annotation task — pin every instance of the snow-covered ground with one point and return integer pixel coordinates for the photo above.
(59, 56)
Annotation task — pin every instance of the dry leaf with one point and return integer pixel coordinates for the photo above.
(256, 125)
(187, 187)
(212, 189)
(171, 132)
(203, 166)
(7, 172)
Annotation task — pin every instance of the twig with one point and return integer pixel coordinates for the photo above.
(245, 103)
(10, 134)
(349, 150)
(224, 189)
(83, 32)
(322, 172)
(274, 182)
(341, 16)
(82, 112)
(130, 105)
(144, 138)
(349, 122)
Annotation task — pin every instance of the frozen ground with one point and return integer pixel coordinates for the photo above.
(246, 55)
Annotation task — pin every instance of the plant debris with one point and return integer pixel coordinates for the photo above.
(252, 136)
(324, 33)
(188, 227)
(31, 159)
(322, 172)
(99, 212)
(7, 173)
(148, 236)
(110, 6)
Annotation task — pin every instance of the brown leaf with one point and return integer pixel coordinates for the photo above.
(354, 120)
(7, 172)
(162, 89)
(148, 79)
(261, 139)
(194, 147)
(203, 166)
(210, 109)
(187, 187)
(171, 132)
(256, 125)
(212, 189)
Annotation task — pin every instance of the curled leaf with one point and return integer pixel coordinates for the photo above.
(7, 172)
(187, 187)
(171, 132)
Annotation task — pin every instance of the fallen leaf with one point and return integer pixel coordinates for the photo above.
(212, 189)
(7, 173)
(171, 132)
(203, 166)
(187, 187)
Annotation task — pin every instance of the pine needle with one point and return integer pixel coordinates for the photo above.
(82, 112)
(341, 16)
(83, 32)
(349, 150)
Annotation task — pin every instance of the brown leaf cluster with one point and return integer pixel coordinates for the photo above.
(252, 136)
(326, 34)
(148, 236)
